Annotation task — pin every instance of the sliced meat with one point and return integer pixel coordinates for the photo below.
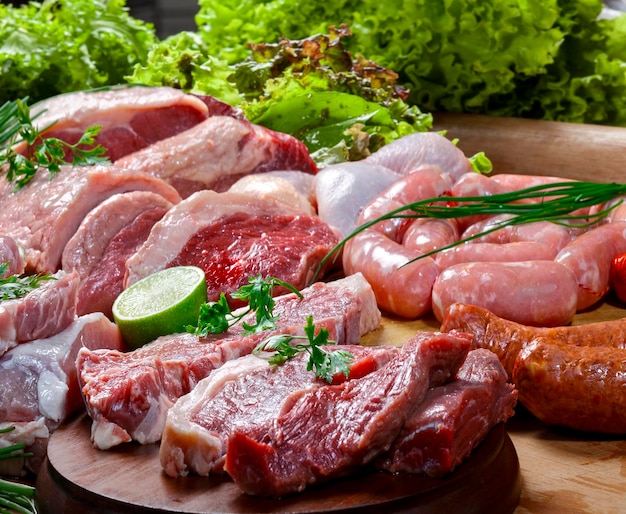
(453, 419)
(43, 312)
(406, 154)
(131, 118)
(244, 391)
(44, 373)
(217, 152)
(128, 394)
(43, 216)
(106, 238)
(11, 255)
(232, 237)
(308, 442)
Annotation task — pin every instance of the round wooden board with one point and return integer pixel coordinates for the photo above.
(78, 478)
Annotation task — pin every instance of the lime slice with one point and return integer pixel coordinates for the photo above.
(159, 304)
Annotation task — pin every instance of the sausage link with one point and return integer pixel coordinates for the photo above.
(579, 387)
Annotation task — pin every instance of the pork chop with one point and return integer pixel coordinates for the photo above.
(130, 118)
(44, 215)
(109, 234)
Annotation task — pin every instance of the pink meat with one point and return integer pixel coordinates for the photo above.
(308, 442)
(43, 216)
(244, 391)
(128, 394)
(109, 234)
(453, 419)
(408, 153)
(530, 292)
(131, 118)
(10, 254)
(42, 313)
(217, 152)
(233, 236)
(44, 373)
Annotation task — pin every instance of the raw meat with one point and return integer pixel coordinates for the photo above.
(333, 430)
(130, 118)
(453, 419)
(217, 152)
(244, 391)
(109, 234)
(342, 190)
(10, 254)
(44, 215)
(128, 394)
(43, 312)
(408, 153)
(42, 374)
(233, 236)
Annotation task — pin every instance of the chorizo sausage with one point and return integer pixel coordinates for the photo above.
(507, 338)
(579, 387)
(540, 293)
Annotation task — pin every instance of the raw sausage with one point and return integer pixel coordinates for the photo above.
(494, 252)
(540, 293)
(589, 257)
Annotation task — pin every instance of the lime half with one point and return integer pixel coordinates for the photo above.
(159, 304)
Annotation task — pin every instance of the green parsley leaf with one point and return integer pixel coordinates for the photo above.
(325, 364)
(16, 286)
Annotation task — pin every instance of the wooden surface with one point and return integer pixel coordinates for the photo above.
(77, 478)
(533, 147)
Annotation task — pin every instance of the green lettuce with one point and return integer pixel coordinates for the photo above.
(342, 108)
(553, 59)
(59, 46)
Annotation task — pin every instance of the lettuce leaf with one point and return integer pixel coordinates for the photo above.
(552, 59)
(59, 46)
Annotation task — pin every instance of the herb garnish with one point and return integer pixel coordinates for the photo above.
(14, 496)
(217, 317)
(556, 202)
(326, 364)
(16, 286)
(16, 126)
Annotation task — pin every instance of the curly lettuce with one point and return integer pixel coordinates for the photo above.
(58, 46)
(342, 108)
(553, 59)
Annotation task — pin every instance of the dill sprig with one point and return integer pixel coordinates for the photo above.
(556, 202)
(16, 126)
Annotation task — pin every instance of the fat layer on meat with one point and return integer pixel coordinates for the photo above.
(44, 215)
(128, 394)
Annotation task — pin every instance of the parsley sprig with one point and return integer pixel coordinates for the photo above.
(16, 286)
(325, 364)
(16, 126)
(14, 496)
(217, 317)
